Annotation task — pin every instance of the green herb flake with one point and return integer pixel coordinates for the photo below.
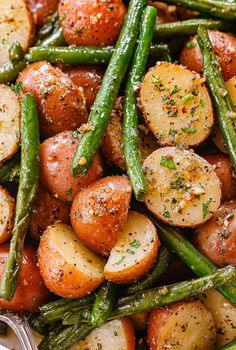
(175, 90)
(75, 134)
(17, 88)
(191, 45)
(166, 214)
(176, 184)
(135, 244)
(189, 130)
(168, 162)
(115, 333)
(120, 261)
(69, 192)
(205, 208)
(187, 98)
(131, 252)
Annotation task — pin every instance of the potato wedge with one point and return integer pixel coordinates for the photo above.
(68, 268)
(16, 24)
(183, 188)
(185, 325)
(176, 105)
(9, 122)
(135, 251)
(7, 210)
(114, 335)
(224, 315)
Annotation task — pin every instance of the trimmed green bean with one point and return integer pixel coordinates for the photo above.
(54, 39)
(9, 72)
(16, 53)
(29, 175)
(79, 316)
(37, 323)
(9, 171)
(48, 27)
(229, 346)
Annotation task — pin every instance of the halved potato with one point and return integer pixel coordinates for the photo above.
(135, 251)
(140, 320)
(176, 105)
(114, 335)
(183, 188)
(185, 325)
(16, 24)
(7, 209)
(9, 122)
(224, 315)
(68, 268)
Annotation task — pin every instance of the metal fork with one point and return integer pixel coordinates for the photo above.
(20, 327)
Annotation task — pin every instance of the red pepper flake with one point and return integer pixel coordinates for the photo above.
(184, 109)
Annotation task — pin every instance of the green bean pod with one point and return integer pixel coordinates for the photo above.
(9, 71)
(230, 346)
(80, 316)
(48, 27)
(10, 170)
(16, 52)
(54, 39)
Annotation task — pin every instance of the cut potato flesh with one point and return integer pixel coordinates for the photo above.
(134, 252)
(176, 105)
(224, 315)
(183, 188)
(9, 122)
(187, 325)
(16, 24)
(7, 207)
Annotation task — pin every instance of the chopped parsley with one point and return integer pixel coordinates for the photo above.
(135, 244)
(120, 261)
(17, 88)
(187, 98)
(175, 90)
(166, 214)
(168, 162)
(176, 184)
(69, 192)
(190, 45)
(189, 130)
(205, 208)
(131, 252)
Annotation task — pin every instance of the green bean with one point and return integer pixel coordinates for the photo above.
(79, 316)
(9, 171)
(48, 27)
(54, 39)
(37, 323)
(230, 346)
(3, 328)
(9, 72)
(101, 110)
(16, 52)
(152, 276)
(220, 95)
(44, 344)
(29, 175)
(130, 128)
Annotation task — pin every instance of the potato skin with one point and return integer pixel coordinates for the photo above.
(223, 168)
(56, 155)
(46, 210)
(224, 45)
(6, 197)
(91, 22)
(41, 9)
(99, 212)
(60, 102)
(166, 14)
(216, 239)
(31, 291)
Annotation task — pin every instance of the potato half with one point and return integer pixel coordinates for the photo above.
(183, 188)
(7, 209)
(134, 252)
(185, 325)
(176, 105)
(16, 24)
(68, 268)
(9, 122)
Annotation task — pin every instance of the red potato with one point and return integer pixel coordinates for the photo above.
(46, 210)
(41, 9)
(61, 104)
(185, 325)
(99, 212)
(56, 155)
(31, 291)
(140, 320)
(7, 211)
(216, 239)
(91, 22)
(184, 13)
(224, 45)
(87, 77)
(223, 168)
(68, 268)
(166, 13)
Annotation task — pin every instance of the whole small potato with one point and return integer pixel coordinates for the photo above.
(224, 45)
(216, 239)
(56, 154)
(31, 291)
(91, 22)
(61, 104)
(99, 212)
(41, 9)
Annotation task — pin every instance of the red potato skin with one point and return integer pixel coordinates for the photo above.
(31, 291)
(11, 202)
(61, 104)
(166, 14)
(224, 45)
(41, 9)
(87, 77)
(223, 169)
(46, 210)
(56, 154)
(99, 212)
(217, 240)
(91, 22)
(129, 333)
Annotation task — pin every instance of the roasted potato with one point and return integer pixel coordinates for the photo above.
(31, 291)
(165, 13)
(16, 24)
(217, 238)
(46, 210)
(68, 268)
(134, 252)
(7, 211)
(9, 122)
(224, 45)
(56, 155)
(185, 325)
(41, 9)
(94, 22)
(61, 104)
(183, 188)
(99, 212)
(140, 320)
(176, 105)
